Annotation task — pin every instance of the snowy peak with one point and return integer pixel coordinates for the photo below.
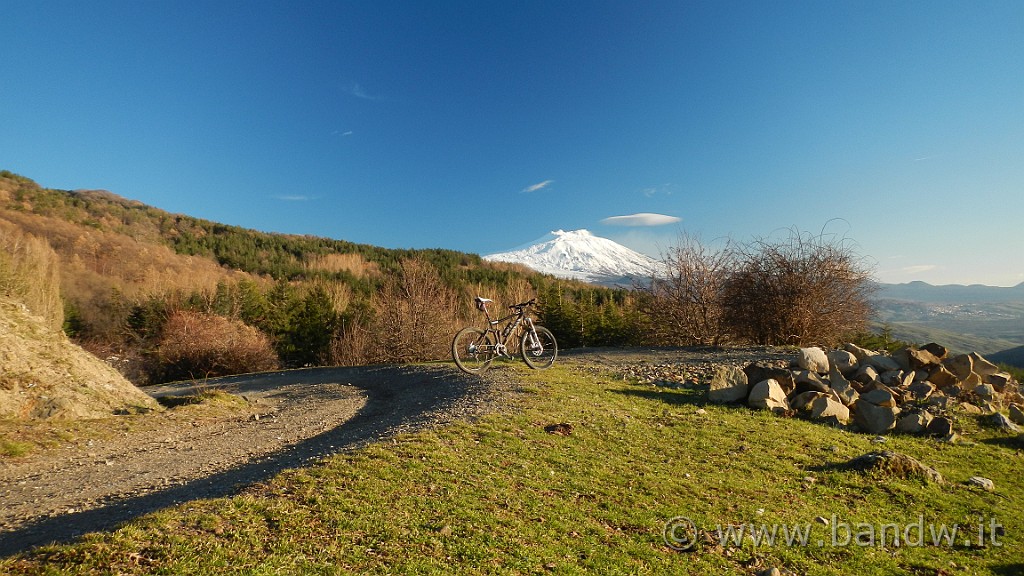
(580, 255)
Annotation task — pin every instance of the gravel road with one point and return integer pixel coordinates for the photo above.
(295, 417)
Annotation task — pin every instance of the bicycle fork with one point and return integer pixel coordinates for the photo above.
(532, 340)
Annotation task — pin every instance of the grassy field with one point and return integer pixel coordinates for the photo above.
(503, 495)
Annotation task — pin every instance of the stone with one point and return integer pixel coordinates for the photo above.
(985, 391)
(914, 423)
(940, 426)
(768, 395)
(942, 377)
(728, 384)
(808, 380)
(1016, 414)
(813, 359)
(939, 400)
(866, 375)
(902, 357)
(879, 397)
(1001, 422)
(972, 380)
(841, 386)
(921, 358)
(894, 464)
(860, 353)
(937, 350)
(842, 360)
(803, 400)
(824, 407)
(882, 363)
(982, 366)
(891, 378)
(971, 408)
(982, 482)
(1000, 380)
(921, 390)
(874, 419)
(960, 366)
(758, 371)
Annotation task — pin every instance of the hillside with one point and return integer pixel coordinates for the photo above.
(126, 268)
(66, 215)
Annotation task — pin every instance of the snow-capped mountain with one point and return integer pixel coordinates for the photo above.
(580, 255)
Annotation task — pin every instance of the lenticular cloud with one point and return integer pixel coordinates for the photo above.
(641, 219)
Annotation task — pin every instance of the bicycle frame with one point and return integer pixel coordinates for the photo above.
(474, 348)
(501, 337)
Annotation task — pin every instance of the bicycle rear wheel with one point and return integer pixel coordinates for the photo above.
(539, 355)
(473, 350)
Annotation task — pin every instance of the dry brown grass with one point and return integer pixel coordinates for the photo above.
(354, 264)
(30, 274)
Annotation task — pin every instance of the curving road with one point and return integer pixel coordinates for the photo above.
(299, 415)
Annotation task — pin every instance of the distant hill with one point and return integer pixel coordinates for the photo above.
(1013, 356)
(951, 293)
(976, 318)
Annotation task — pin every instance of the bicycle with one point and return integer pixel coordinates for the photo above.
(473, 349)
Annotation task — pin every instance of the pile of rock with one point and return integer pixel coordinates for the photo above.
(911, 390)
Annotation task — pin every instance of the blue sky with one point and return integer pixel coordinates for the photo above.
(479, 126)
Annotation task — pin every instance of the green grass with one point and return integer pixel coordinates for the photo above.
(501, 495)
(13, 448)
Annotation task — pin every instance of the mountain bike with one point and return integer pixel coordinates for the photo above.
(473, 349)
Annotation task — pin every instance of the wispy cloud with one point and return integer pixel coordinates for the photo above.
(356, 89)
(641, 219)
(292, 198)
(538, 186)
(650, 191)
(918, 268)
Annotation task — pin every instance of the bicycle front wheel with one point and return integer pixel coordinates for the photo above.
(472, 350)
(539, 353)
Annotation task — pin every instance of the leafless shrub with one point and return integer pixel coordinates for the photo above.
(684, 303)
(354, 346)
(415, 314)
(413, 318)
(198, 345)
(804, 289)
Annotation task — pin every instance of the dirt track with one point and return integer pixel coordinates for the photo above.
(296, 416)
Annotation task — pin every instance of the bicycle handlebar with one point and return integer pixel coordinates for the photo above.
(530, 302)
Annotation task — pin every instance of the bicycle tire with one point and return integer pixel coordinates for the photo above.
(472, 350)
(545, 356)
